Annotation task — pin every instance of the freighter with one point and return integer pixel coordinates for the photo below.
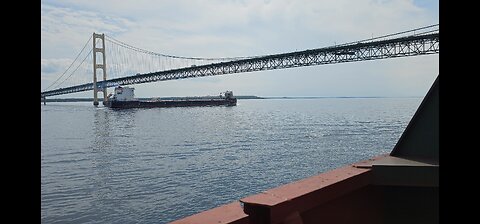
(124, 97)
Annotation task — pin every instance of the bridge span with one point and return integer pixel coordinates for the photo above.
(413, 45)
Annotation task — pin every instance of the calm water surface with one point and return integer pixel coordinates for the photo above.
(159, 165)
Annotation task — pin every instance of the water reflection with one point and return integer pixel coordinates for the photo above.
(113, 129)
(101, 162)
(101, 129)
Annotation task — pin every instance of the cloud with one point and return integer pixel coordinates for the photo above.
(64, 30)
(257, 27)
(52, 66)
(51, 69)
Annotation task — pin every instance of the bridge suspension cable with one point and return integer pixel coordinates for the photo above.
(396, 34)
(73, 72)
(127, 60)
(73, 62)
(123, 44)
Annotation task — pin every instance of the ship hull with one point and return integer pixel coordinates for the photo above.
(171, 103)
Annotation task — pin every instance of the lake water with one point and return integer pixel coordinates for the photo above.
(158, 165)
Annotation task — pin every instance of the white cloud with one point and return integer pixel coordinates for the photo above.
(52, 66)
(64, 31)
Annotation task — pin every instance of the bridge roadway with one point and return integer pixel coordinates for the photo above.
(361, 51)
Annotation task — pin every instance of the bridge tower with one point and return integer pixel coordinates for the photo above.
(96, 66)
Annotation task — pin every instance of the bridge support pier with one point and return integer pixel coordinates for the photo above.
(101, 65)
(44, 100)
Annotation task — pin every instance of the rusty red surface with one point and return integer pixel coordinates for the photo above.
(294, 190)
(343, 195)
(285, 202)
(229, 213)
(308, 185)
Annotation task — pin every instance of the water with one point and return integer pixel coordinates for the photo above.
(158, 165)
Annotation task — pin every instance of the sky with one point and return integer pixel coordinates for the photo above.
(231, 28)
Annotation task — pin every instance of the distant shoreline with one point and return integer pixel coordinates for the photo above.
(238, 97)
(336, 97)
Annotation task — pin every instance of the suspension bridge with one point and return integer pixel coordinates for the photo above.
(129, 65)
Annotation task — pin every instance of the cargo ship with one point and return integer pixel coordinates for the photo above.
(124, 97)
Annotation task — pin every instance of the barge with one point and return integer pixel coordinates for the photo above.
(124, 97)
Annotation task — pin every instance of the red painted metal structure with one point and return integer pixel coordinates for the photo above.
(401, 187)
